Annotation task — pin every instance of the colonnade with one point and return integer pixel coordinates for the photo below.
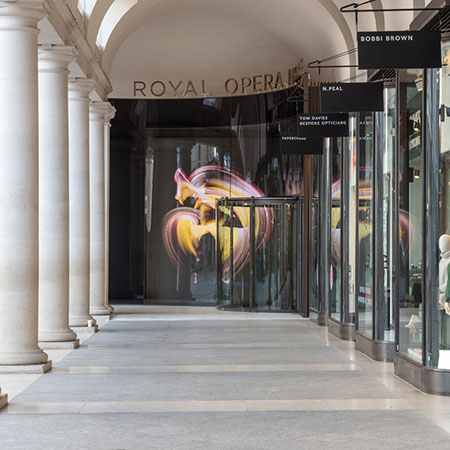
(54, 157)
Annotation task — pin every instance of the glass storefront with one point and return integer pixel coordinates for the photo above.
(441, 326)
(350, 287)
(171, 161)
(377, 199)
(365, 225)
(411, 214)
(385, 194)
(335, 307)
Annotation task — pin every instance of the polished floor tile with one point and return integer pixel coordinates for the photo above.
(166, 377)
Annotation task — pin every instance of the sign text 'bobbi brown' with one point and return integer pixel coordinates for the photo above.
(399, 50)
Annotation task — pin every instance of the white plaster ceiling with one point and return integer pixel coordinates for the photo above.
(163, 39)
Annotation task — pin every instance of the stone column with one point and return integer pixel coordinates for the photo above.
(79, 315)
(108, 117)
(19, 214)
(54, 331)
(97, 113)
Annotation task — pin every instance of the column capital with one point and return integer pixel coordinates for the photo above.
(21, 14)
(110, 114)
(80, 88)
(99, 110)
(55, 58)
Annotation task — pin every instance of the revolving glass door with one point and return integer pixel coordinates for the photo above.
(258, 250)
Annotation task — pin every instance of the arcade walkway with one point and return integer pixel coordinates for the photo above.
(196, 378)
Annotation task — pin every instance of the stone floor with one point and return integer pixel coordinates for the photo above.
(196, 378)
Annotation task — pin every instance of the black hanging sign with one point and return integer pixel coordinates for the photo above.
(323, 125)
(351, 97)
(399, 50)
(295, 145)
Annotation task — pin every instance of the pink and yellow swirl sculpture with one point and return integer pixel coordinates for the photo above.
(184, 227)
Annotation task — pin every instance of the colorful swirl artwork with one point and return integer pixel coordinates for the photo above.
(184, 227)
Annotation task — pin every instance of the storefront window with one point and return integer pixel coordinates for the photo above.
(336, 226)
(411, 214)
(352, 203)
(315, 217)
(385, 315)
(442, 324)
(365, 219)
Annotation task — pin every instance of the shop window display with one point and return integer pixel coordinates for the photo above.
(336, 227)
(352, 204)
(442, 326)
(411, 214)
(365, 218)
(385, 315)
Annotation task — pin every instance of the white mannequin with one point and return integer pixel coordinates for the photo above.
(444, 247)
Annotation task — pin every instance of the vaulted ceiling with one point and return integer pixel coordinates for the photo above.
(182, 33)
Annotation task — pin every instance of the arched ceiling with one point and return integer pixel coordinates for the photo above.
(297, 29)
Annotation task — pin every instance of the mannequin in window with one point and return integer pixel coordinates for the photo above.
(444, 290)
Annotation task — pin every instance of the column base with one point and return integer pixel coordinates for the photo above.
(26, 369)
(3, 400)
(86, 330)
(82, 322)
(68, 345)
(111, 308)
(101, 311)
(56, 336)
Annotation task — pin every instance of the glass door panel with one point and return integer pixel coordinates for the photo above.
(258, 254)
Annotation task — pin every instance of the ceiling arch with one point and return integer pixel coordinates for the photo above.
(310, 30)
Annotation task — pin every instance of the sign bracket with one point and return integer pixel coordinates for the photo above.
(355, 9)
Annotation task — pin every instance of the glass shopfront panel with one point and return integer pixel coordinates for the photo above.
(349, 307)
(411, 214)
(365, 222)
(335, 308)
(385, 325)
(438, 348)
(170, 161)
(315, 234)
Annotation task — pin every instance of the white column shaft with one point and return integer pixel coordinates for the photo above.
(19, 184)
(79, 90)
(108, 118)
(97, 207)
(54, 195)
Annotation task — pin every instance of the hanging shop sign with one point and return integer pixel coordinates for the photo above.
(323, 125)
(351, 97)
(399, 50)
(295, 145)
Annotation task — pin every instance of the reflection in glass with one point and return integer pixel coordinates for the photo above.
(385, 325)
(353, 214)
(441, 329)
(270, 269)
(411, 214)
(336, 225)
(365, 219)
